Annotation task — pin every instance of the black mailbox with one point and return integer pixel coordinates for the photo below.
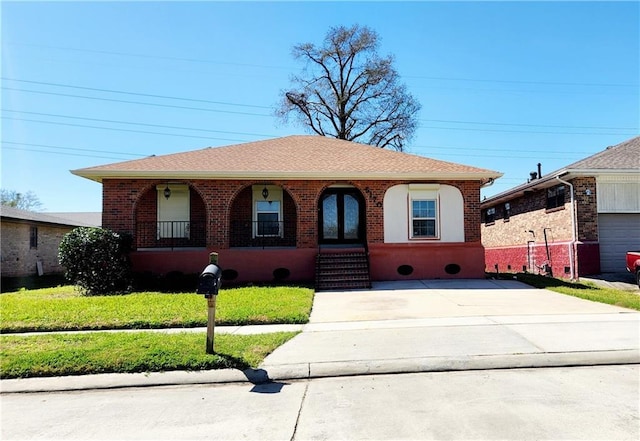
(209, 282)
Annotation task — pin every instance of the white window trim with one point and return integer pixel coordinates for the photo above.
(275, 195)
(424, 192)
(180, 193)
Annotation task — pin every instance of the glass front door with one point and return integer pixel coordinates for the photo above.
(341, 216)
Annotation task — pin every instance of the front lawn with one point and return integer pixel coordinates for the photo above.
(63, 308)
(126, 352)
(586, 291)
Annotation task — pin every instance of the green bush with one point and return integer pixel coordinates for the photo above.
(96, 260)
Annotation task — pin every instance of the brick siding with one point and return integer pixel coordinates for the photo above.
(506, 238)
(126, 202)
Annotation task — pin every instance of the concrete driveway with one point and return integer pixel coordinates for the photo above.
(420, 299)
(438, 325)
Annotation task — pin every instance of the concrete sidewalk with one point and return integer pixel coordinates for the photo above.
(417, 326)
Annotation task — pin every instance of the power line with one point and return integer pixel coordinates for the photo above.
(134, 102)
(71, 148)
(159, 57)
(522, 131)
(61, 153)
(426, 77)
(267, 107)
(136, 93)
(505, 150)
(120, 130)
(140, 124)
(546, 83)
(528, 125)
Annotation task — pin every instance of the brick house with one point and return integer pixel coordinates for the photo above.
(576, 221)
(30, 240)
(298, 208)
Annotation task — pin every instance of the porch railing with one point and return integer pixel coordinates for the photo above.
(170, 234)
(262, 234)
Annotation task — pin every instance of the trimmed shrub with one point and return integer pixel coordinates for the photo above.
(96, 260)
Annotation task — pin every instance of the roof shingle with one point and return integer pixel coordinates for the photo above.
(291, 156)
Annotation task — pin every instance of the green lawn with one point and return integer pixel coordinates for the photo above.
(144, 351)
(586, 291)
(63, 308)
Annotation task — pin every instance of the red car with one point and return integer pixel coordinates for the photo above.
(633, 264)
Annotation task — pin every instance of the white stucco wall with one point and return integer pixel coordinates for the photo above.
(450, 214)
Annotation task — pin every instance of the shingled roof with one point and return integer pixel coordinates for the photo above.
(291, 157)
(621, 158)
(66, 219)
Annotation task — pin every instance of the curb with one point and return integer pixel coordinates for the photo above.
(304, 371)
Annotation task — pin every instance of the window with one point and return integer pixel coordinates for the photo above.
(555, 197)
(490, 216)
(268, 218)
(507, 212)
(33, 237)
(173, 211)
(423, 219)
(267, 211)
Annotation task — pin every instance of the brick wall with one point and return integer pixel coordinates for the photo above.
(505, 239)
(19, 259)
(527, 213)
(586, 208)
(128, 201)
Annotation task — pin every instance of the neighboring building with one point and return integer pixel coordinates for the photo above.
(579, 220)
(289, 209)
(30, 240)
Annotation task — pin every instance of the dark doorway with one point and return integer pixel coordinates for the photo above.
(341, 216)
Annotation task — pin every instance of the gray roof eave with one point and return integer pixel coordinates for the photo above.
(98, 176)
(549, 181)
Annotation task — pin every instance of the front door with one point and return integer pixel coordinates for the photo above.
(341, 216)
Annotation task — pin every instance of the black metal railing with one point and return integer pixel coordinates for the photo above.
(262, 234)
(170, 234)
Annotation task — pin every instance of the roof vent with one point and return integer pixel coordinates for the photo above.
(533, 176)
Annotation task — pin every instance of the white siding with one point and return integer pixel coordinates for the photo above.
(450, 215)
(619, 194)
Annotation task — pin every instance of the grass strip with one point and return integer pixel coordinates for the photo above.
(128, 352)
(587, 291)
(64, 308)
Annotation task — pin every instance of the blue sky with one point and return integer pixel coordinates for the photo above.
(503, 85)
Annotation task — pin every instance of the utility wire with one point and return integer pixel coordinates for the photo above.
(505, 150)
(71, 148)
(158, 57)
(120, 130)
(528, 125)
(456, 155)
(264, 115)
(197, 60)
(271, 108)
(61, 153)
(546, 83)
(140, 124)
(134, 102)
(157, 125)
(522, 131)
(136, 93)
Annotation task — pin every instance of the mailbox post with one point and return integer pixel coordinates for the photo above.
(209, 284)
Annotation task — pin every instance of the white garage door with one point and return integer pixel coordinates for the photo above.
(618, 233)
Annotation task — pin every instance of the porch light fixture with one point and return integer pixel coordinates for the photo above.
(167, 192)
(265, 193)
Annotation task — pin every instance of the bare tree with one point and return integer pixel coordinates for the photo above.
(346, 90)
(24, 201)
